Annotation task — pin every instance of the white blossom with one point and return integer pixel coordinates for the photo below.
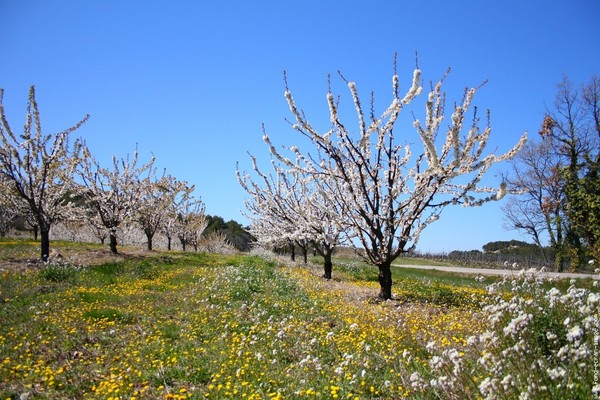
(574, 333)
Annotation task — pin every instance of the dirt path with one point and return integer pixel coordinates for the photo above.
(481, 271)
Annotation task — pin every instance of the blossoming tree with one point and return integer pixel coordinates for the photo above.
(39, 169)
(287, 205)
(386, 196)
(157, 197)
(190, 221)
(171, 223)
(272, 218)
(114, 194)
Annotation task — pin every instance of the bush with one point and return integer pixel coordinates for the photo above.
(59, 272)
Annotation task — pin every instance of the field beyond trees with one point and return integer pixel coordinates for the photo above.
(174, 325)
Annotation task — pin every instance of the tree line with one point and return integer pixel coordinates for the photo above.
(48, 179)
(373, 186)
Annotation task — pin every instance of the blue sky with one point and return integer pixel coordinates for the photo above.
(192, 81)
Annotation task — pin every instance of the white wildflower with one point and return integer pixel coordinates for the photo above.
(574, 333)
(443, 382)
(507, 382)
(486, 386)
(563, 353)
(517, 324)
(454, 355)
(485, 359)
(436, 362)
(593, 298)
(556, 373)
(416, 382)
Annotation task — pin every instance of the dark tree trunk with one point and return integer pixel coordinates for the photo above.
(35, 232)
(303, 244)
(149, 237)
(182, 244)
(385, 281)
(169, 243)
(327, 266)
(45, 244)
(113, 243)
(326, 251)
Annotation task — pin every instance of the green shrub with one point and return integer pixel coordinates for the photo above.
(59, 272)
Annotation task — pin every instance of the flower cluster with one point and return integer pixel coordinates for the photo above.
(539, 343)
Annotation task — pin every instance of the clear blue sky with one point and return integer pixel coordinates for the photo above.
(192, 81)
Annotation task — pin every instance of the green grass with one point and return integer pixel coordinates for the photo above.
(182, 325)
(360, 270)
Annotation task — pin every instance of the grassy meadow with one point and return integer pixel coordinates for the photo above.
(173, 325)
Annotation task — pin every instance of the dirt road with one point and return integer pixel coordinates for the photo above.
(481, 271)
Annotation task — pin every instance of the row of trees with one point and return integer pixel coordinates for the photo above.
(362, 186)
(46, 180)
(559, 176)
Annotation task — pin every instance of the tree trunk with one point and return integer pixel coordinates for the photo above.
(169, 243)
(385, 281)
(327, 265)
(558, 260)
(292, 251)
(35, 232)
(326, 251)
(113, 243)
(45, 245)
(149, 237)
